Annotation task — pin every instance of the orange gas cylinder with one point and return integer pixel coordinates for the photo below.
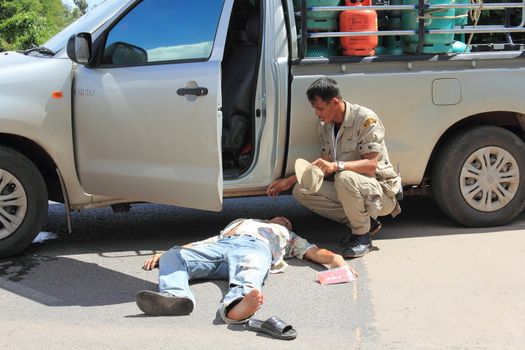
(358, 21)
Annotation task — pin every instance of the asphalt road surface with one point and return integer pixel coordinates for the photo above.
(428, 284)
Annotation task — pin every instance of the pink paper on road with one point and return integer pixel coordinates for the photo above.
(337, 275)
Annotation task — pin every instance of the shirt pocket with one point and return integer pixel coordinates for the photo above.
(348, 148)
(325, 147)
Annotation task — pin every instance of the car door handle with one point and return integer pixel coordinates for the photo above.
(199, 91)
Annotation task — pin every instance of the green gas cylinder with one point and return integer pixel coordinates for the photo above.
(393, 43)
(322, 47)
(325, 20)
(434, 19)
(459, 47)
(462, 14)
(461, 18)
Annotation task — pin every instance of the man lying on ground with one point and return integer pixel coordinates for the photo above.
(244, 253)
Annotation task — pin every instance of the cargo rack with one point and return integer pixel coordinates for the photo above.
(422, 7)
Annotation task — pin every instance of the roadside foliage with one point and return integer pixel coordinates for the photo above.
(28, 23)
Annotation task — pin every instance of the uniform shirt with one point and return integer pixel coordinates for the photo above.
(282, 242)
(361, 132)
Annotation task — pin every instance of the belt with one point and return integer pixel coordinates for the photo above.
(228, 235)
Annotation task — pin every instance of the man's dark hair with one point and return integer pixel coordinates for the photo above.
(324, 88)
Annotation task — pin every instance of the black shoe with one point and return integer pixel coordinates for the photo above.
(163, 304)
(375, 226)
(358, 246)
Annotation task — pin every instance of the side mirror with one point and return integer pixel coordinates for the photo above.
(79, 48)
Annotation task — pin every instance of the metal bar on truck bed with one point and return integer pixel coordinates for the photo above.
(483, 6)
(472, 56)
(304, 31)
(478, 29)
(421, 27)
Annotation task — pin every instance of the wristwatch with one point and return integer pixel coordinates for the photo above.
(340, 166)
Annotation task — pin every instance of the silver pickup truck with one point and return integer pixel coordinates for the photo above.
(185, 102)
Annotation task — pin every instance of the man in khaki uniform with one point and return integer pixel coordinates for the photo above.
(359, 181)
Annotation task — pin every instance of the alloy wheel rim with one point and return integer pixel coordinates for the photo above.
(489, 179)
(13, 204)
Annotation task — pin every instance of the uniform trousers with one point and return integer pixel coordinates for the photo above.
(350, 199)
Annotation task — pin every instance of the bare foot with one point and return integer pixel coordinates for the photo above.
(247, 306)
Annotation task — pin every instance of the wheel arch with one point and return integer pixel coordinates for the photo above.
(40, 158)
(508, 120)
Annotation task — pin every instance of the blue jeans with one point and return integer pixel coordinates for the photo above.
(243, 260)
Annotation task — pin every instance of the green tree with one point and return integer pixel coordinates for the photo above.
(25, 23)
(24, 30)
(82, 5)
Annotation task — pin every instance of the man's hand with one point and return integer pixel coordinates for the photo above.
(326, 167)
(339, 261)
(326, 257)
(281, 185)
(152, 262)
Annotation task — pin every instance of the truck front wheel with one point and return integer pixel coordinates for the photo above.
(477, 178)
(23, 202)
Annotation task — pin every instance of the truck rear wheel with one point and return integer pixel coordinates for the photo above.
(23, 202)
(477, 180)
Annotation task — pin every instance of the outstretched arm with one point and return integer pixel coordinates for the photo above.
(281, 185)
(326, 257)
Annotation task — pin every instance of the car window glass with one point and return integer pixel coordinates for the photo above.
(164, 30)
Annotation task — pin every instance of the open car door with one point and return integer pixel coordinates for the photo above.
(147, 120)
